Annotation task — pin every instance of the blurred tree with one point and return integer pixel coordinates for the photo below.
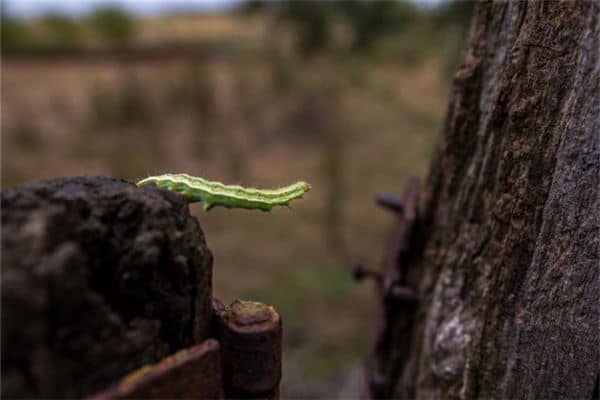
(454, 12)
(126, 104)
(252, 6)
(450, 20)
(311, 21)
(113, 25)
(191, 94)
(369, 20)
(61, 31)
(15, 35)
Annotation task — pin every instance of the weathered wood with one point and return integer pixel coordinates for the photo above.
(99, 278)
(508, 279)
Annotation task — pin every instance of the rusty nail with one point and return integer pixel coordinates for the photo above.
(390, 202)
(250, 334)
(360, 271)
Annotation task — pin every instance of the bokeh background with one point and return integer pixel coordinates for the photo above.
(346, 95)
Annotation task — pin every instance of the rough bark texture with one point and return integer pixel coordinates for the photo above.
(99, 277)
(508, 278)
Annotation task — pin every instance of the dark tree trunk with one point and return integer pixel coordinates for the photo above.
(509, 218)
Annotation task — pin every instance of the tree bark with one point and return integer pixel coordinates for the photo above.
(509, 217)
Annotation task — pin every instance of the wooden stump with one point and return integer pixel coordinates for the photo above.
(99, 278)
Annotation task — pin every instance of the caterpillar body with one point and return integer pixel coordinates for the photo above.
(212, 194)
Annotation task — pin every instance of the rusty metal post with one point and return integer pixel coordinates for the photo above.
(250, 335)
(397, 300)
(192, 373)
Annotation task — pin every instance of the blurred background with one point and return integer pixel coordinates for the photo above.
(347, 95)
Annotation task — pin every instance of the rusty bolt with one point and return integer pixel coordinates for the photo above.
(250, 335)
(390, 202)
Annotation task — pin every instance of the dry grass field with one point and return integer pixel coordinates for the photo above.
(249, 115)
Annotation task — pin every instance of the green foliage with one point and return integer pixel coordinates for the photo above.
(55, 32)
(311, 21)
(115, 26)
(451, 19)
(369, 20)
(456, 12)
(58, 32)
(250, 7)
(61, 31)
(16, 36)
(390, 29)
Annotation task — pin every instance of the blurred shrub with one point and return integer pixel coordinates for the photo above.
(120, 106)
(114, 25)
(282, 72)
(57, 32)
(453, 12)
(16, 36)
(311, 21)
(192, 94)
(61, 31)
(369, 20)
(54, 32)
(250, 7)
(451, 19)
(192, 91)
(27, 135)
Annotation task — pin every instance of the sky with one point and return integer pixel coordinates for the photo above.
(75, 8)
(34, 8)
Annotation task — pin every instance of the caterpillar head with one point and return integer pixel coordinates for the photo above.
(304, 186)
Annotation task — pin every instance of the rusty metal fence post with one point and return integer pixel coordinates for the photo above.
(397, 300)
(250, 335)
(243, 360)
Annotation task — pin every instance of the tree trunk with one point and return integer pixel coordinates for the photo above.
(507, 276)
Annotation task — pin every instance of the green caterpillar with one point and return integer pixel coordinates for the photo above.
(214, 194)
